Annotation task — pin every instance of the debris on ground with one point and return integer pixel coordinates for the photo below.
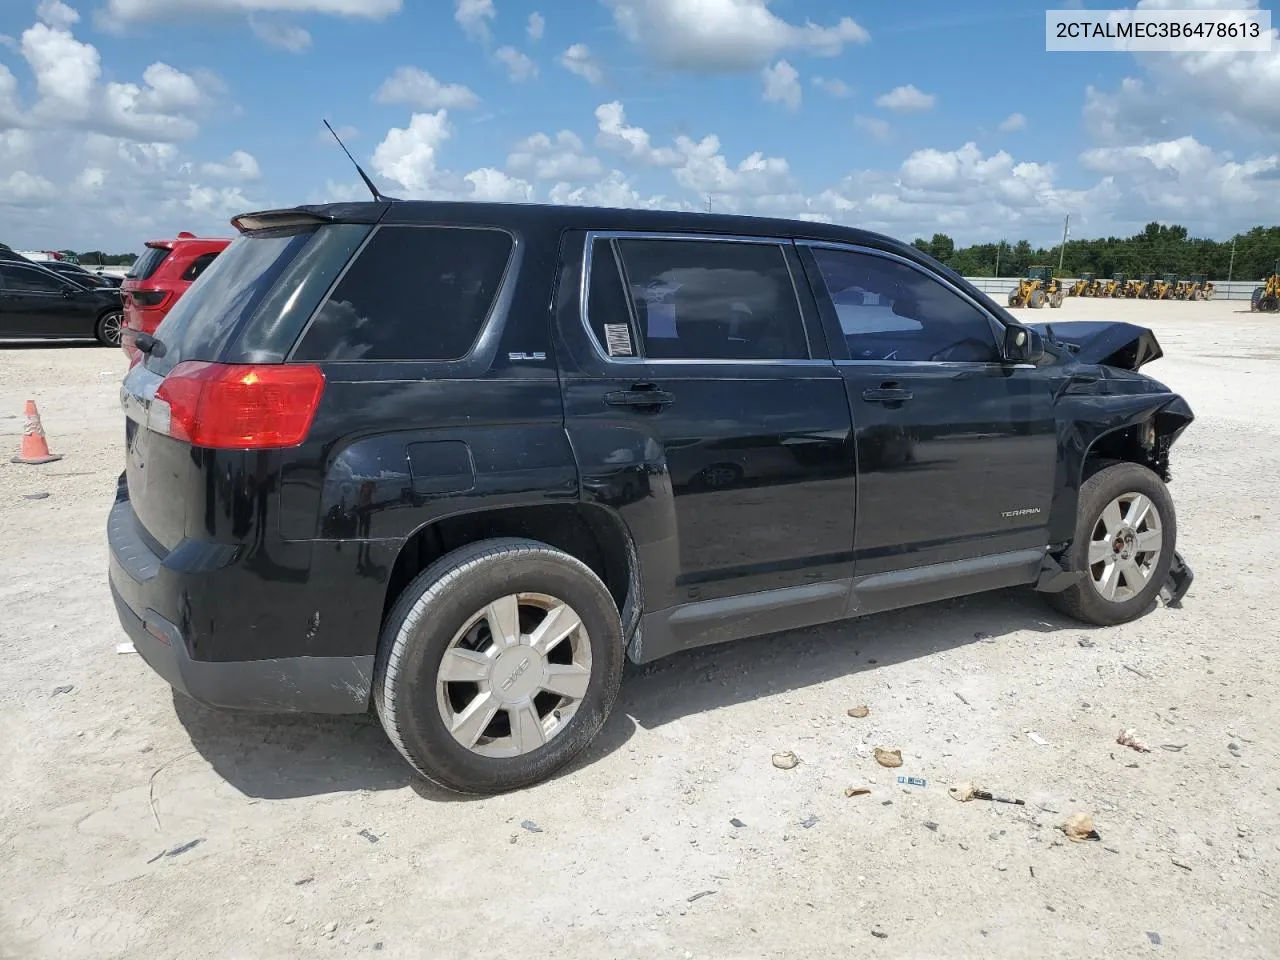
(1079, 827)
(1234, 748)
(1135, 670)
(966, 791)
(61, 689)
(125, 648)
(369, 835)
(856, 791)
(962, 791)
(35, 496)
(859, 712)
(960, 697)
(530, 826)
(1173, 747)
(1086, 643)
(331, 927)
(785, 760)
(984, 637)
(184, 847)
(879, 934)
(303, 881)
(700, 894)
(931, 826)
(1036, 738)
(888, 758)
(736, 823)
(1129, 738)
(1154, 938)
(809, 821)
(1181, 866)
(913, 781)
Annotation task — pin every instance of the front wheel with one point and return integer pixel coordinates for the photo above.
(498, 665)
(1125, 536)
(107, 331)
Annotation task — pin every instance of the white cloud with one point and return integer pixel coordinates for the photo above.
(57, 14)
(91, 178)
(834, 86)
(876, 127)
(782, 85)
(631, 142)
(239, 166)
(408, 155)
(906, 99)
(492, 185)
(563, 159)
(519, 66)
(537, 26)
(724, 36)
(579, 59)
(21, 189)
(474, 16)
(277, 33)
(1013, 122)
(615, 190)
(123, 11)
(420, 89)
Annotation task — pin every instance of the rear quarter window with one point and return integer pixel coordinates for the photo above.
(413, 293)
(198, 266)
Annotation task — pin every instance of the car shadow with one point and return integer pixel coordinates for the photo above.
(283, 757)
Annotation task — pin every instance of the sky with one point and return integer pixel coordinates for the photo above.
(128, 120)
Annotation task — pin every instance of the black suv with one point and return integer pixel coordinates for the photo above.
(455, 460)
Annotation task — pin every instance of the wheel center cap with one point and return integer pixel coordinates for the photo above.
(517, 673)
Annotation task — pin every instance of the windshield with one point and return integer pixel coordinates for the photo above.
(201, 323)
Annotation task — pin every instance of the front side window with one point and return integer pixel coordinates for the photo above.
(414, 293)
(705, 300)
(18, 279)
(891, 311)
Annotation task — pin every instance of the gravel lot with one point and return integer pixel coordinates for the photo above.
(311, 839)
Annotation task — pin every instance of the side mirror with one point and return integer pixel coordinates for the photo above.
(1022, 344)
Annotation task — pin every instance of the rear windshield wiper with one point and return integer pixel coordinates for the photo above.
(150, 345)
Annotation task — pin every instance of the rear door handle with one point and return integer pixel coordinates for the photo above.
(886, 393)
(641, 395)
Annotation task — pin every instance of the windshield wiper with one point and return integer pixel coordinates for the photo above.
(150, 345)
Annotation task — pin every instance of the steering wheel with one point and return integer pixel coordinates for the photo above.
(978, 352)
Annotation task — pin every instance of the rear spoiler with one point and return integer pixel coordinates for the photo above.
(310, 216)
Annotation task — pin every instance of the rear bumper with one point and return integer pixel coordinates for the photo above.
(145, 590)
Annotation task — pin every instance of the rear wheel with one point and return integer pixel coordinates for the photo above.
(1269, 304)
(1036, 300)
(1125, 536)
(1256, 297)
(108, 328)
(1013, 299)
(498, 665)
(1055, 301)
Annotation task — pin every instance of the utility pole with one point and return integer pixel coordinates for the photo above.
(999, 247)
(1232, 266)
(1066, 231)
(708, 203)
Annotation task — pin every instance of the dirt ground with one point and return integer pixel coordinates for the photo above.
(312, 840)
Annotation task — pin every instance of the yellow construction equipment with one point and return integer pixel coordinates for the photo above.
(1036, 289)
(1082, 286)
(1147, 287)
(1117, 286)
(1267, 297)
(1199, 287)
(1168, 288)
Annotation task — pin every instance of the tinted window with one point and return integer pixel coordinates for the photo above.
(201, 322)
(607, 303)
(891, 311)
(198, 266)
(148, 263)
(414, 293)
(713, 300)
(18, 279)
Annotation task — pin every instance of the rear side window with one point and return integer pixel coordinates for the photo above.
(414, 293)
(198, 266)
(20, 279)
(148, 263)
(713, 300)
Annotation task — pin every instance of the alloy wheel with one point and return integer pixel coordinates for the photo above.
(1125, 547)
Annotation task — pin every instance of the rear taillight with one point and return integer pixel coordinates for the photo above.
(149, 298)
(237, 406)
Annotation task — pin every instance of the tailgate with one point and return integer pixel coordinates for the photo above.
(159, 470)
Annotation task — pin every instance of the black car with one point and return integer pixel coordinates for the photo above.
(73, 271)
(36, 302)
(455, 461)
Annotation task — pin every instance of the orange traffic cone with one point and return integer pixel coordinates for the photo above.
(35, 448)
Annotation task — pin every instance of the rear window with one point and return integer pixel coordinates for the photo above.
(198, 266)
(414, 293)
(148, 263)
(204, 319)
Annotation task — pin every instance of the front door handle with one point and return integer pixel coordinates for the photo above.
(886, 393)
(641, 396)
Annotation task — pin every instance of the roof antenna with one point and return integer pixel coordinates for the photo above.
(363, 176)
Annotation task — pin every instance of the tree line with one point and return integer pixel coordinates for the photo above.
(1157, 249)
(94, 258)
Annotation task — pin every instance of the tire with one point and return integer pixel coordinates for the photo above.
(1055, 301)
(1269, 304)
(1256, 296)
(1085, 600)
(1013, 299)
(1036, 300)
(107, 330)
(425, 624)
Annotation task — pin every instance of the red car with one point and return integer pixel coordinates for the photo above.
(159, 278)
